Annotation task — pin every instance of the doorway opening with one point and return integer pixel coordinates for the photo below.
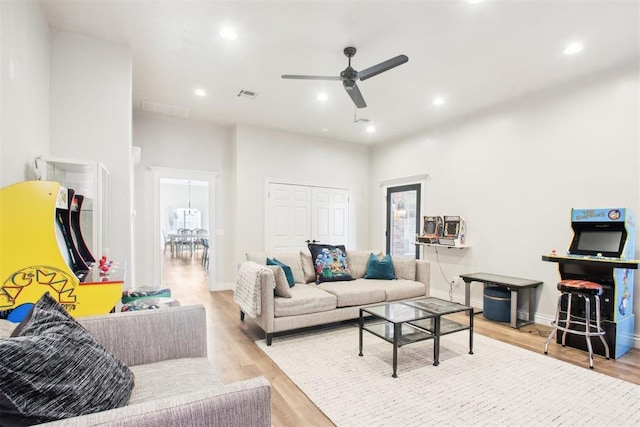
(403, 220)
(184, 220)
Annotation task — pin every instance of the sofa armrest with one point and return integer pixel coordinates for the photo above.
(147, 336)
(423, 274)
(241, 404)
(267, 300)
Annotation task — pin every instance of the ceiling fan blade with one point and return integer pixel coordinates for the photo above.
(382, 67)
(356, 96)
(294, 76)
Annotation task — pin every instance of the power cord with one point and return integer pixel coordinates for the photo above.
(444, 276)
(540, 332)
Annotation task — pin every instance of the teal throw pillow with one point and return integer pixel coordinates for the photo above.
(287, 270)
(380, 268)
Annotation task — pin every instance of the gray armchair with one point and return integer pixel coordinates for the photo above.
(175, 384)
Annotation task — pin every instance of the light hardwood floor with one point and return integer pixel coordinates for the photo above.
(236, 357)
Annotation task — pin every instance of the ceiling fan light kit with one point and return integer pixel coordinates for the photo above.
(350, 76)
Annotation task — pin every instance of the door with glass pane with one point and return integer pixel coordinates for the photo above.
(403, 220)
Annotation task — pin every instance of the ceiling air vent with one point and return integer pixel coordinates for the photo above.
(167, 109)
(247, 94)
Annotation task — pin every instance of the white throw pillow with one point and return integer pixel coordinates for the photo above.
(282, 286)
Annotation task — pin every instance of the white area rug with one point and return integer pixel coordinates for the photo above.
(499, 384)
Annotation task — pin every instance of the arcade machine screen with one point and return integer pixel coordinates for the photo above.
(600, 241)
(429, 227)
(608, 243)
(451, 228)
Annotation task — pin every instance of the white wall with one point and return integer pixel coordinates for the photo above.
(515, 173)
(24, 88)
(245, 157)
(90, 106)
(176, 195)
(170, 142)
(263, 155)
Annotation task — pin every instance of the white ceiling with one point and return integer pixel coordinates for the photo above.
(474, 55)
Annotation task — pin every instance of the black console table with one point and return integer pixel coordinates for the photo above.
(514, 284)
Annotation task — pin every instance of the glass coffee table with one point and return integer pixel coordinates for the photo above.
(411, 321)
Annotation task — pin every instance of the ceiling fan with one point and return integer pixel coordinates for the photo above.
(349, 76)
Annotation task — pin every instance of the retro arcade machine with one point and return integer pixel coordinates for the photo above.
(38, 253)
(602, 251)
(66, 233)
(75, 211)
(454, 231)
(431, 230)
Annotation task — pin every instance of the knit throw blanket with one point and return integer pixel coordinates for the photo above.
(247, 292)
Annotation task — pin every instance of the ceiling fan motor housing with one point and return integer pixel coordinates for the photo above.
(349, 77)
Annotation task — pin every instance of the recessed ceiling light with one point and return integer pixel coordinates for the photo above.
(322, 96)
(200, 92)
(324, 130)
(438, 101)
(573, 48)
(228, 33)
(371, 129)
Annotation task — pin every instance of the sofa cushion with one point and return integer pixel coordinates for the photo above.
(292, 259)
(171, 377)
(356, 292)
(282, 285)
(400, 289)
(288, 274)
(307, 266)
(52, 368)
(380, 268)
(404, 268)
(330, 262)
(358, 262)
(305, 299)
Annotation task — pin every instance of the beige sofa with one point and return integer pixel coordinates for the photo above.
(311, 304)
(175, 384)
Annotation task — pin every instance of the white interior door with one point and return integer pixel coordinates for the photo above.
(330, 220)
(288, 217)
(298, 213)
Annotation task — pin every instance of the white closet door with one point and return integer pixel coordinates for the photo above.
(297, 213)
(288, 217)
(330, 218)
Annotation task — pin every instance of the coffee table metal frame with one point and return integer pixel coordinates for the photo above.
(411, 321)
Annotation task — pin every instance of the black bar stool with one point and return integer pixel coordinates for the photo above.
(581, 289)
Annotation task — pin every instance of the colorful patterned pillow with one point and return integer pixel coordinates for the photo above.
(330, 263)
(52, 368)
